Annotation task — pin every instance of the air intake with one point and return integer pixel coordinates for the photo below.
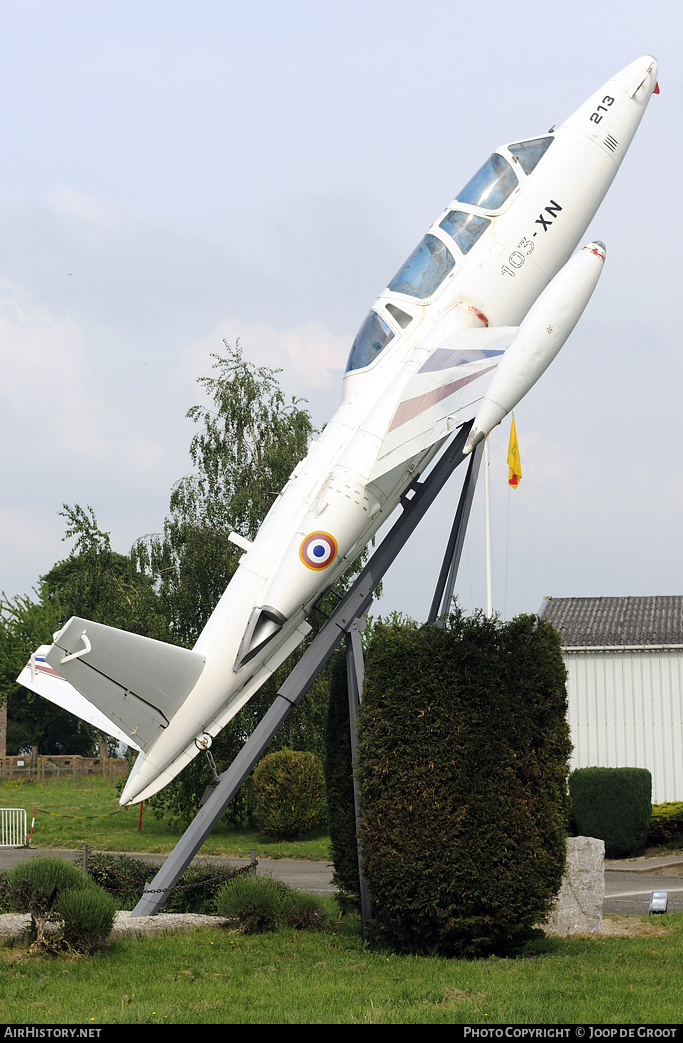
(263, 624)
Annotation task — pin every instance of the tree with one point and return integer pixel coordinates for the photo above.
(94, 582)
(98, 583)
(248, 441)
(249, 438)
(247, 446)
(31, 720)
(341, 811)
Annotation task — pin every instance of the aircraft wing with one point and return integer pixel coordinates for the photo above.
(39, 677)
(443, 394)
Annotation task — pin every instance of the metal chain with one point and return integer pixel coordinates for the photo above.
(177, 887)
(56, 814)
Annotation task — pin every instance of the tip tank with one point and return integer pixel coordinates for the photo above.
(539, 338)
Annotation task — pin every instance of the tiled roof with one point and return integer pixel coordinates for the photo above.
(616, 621)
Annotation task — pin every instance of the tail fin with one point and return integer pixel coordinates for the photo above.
(42, 679)
(138, 683)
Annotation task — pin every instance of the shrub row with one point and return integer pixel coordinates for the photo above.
(126, 877)
(614, 805)
(57, 892)
(666, 823)
(258, 904)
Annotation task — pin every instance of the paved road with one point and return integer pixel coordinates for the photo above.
(631, 897)
(627, 887)
(630, 882)
(307, 876)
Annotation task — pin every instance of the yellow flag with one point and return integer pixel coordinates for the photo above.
(514, 462)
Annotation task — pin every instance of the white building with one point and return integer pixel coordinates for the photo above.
(624, 658)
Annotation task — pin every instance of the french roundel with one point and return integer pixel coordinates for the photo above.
(318, 550)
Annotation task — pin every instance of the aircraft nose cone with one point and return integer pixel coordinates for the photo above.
(639, 79)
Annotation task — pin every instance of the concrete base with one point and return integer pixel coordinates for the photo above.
(578, 909)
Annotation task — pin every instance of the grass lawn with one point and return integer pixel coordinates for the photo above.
(89, 813)
(213, 976)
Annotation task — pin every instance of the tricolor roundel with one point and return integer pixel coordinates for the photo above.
(318, 551)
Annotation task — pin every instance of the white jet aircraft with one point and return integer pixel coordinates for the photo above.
(462, 331)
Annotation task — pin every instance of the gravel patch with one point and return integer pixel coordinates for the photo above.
(632, 927)
(14, 927)
(126, 926)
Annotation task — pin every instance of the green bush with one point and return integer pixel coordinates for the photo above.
(88, 915)
(463, 750)
(5, 899)
(126, 878)
(258, 904)
(666, 823)
(305, 912)
(35, 887)
(122, 876)
(289, 792)
(197, 889)
(614, 805)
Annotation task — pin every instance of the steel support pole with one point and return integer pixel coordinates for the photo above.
(443, 593)
(355, 670)
(415, 503)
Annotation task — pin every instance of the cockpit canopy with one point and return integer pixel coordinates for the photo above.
(464, 228)
(491, 185)
(529, 152)
(431, 260)
(495, 181)
(420, 276)
(372, 337)
(428, 265)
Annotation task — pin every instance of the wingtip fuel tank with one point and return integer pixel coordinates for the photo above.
(541, 335)
(466, 326)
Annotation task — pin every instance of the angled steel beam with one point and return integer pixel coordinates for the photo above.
(355, 671)
(443, 593)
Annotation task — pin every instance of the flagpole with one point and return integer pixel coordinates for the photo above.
(514, 478)
(487, 500)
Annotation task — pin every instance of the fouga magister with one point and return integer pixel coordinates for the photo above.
(462, 331)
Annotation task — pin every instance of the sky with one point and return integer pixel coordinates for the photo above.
(174, 174)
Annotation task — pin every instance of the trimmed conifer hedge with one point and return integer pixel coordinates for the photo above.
(341, 812)
(463, 761)
(614, 805)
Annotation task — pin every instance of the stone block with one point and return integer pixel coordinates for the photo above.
(578, 909)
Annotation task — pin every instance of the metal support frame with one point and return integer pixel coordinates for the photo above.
(443, 594)
(355, 671)
(343, 621)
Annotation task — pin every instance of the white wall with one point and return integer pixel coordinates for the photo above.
(626, 711)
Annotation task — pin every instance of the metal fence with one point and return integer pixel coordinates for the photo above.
(45, 767)
(12, 827)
